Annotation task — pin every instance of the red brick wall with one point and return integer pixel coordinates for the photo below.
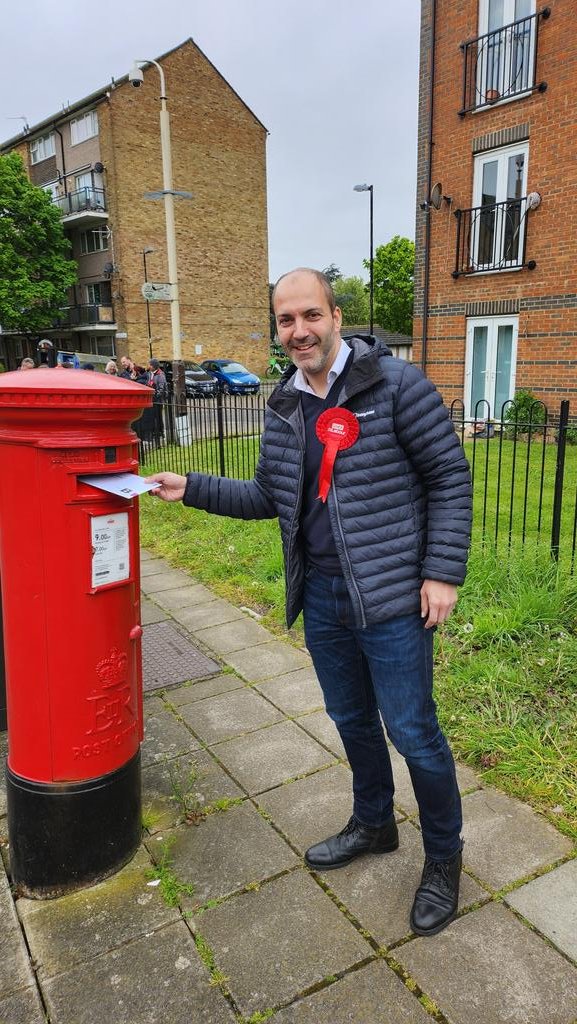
(547, 296)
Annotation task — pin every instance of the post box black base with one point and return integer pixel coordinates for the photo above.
(67, 835)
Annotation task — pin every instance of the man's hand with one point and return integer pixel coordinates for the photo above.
(437, 601)
(171, 486)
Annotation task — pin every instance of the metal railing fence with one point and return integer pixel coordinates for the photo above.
(523, 461)
(501, 64)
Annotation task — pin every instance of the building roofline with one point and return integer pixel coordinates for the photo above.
(101, 94)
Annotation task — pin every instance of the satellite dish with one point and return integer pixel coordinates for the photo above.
(98, 167)
(436, 198)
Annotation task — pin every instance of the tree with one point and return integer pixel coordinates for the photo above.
(35, 271)
(393, 273)
(332, 273)
(352, 297)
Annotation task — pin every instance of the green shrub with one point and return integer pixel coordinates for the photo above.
(526, 409)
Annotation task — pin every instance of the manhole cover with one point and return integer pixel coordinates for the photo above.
(169, 658)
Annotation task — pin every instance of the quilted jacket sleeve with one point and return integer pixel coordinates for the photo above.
(425, 432)
(239, 499)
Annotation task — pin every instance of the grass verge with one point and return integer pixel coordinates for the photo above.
(506, 677)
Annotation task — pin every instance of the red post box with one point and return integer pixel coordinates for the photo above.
(69, 566)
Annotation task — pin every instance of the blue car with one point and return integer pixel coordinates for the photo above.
(233, 378)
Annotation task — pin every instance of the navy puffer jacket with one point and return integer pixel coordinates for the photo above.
(400, 497)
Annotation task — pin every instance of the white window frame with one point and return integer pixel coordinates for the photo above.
(484, 77)
(83, 128)
(51, 188)
(42, 148)
(502, 156)
(492, 323)
(96, 342)
(99, 238)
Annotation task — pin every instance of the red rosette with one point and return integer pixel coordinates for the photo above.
(336, 428)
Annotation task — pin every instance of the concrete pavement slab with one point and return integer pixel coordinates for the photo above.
(379, 889)
(15, 970)
(172, 789)
(266, 660)
(169, 657)
(550, 903)
(84, 924)
(404, 793)
(319, 725)
(234, 636)
(229, 714)
(367, 996)
(158, 979)
(506, 840)
(295, 692)
(274, 943)
(227, 851)
(152, 566)
(309, 809)
(200, 689)
(22, 1007)
(165, 738)
(488, 968)
(170, 579)
(187, 596)
(150, 612)
(270, 756)
(208, 613)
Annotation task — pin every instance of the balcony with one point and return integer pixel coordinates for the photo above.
(502, 64)
(492, 237)
(88, 317)
(84, 207)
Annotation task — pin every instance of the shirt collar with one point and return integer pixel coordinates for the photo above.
(301, 383)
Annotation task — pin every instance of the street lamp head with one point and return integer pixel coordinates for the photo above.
(136, 76)
(362, 188)
(147, 249)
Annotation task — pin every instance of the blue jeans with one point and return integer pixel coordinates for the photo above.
(386, 668)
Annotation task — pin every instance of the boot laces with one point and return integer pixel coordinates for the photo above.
(438, 874)
(352, 825)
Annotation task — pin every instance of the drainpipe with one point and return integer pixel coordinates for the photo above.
(428, 193)
(59, 133)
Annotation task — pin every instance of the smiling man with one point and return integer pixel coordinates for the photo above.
(360, 462)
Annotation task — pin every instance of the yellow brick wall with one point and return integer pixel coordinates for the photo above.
(218, 150)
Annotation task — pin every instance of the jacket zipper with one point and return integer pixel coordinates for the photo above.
(300, 484)
(342, 536)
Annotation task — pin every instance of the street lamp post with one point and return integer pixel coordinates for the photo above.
(369, 189)
(145, 253)
(137, 78)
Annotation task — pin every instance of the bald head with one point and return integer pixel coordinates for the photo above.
(320, 279)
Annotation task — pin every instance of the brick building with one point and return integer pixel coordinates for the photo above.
(496, 272)
(98, 157)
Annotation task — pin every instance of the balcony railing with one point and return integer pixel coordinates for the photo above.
(492, 238)
(501, 64)
(82, 316)
(83, 200)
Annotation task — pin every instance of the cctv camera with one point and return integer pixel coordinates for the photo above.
(422, 206)
(136, 77)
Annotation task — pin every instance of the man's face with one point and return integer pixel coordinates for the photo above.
(125, 363)
(307, 329)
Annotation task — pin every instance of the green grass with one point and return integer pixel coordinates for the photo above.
(506, 660)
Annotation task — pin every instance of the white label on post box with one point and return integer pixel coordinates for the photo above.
(110, 549)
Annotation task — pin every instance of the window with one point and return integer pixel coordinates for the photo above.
(506, 56)
(82, 128)
(51, 187)
(490, 365)
(93, 241)
(98, 294)
(42, 148)
(99, 345)
(498, 227)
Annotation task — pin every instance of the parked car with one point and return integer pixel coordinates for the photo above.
(197, 382)
(233, 378)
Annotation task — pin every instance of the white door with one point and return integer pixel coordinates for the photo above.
(498, 223)
(490, 366)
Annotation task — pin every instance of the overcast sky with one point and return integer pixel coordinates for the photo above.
(334, 82)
